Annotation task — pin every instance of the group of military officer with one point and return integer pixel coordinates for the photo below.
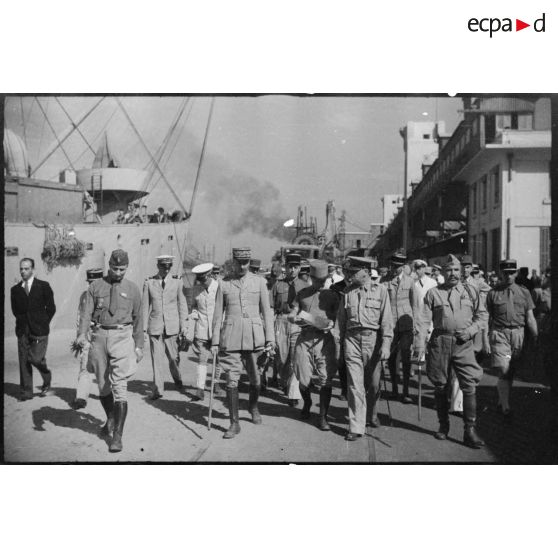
(355, 326)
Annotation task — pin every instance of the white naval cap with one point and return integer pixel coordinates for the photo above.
(202, 268)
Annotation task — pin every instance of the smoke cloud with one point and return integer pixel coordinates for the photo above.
(247, 203)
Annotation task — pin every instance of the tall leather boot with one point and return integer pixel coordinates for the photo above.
(107, 401)
(232, 397)
(470, 436)
(442, 409)
(253, 404)
(325, 398)
(120, 412)
(307, 398)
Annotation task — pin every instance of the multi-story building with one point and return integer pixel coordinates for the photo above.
(488, 191)
(391, 204)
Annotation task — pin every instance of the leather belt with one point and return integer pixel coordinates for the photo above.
(115, 326)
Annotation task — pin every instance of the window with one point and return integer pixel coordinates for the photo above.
(474, 200)
(496, 185)
(484, 193)
(425, 136)
(484, 250)
(544, 248)
(525, 122)
(496, 248)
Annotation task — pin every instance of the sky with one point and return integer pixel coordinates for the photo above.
(264, 156)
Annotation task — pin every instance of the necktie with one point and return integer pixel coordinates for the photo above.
(163, 282)
(26, 288)
(113, 305)
(449, 298)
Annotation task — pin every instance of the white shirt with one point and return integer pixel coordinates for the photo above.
(335, 278)
(29, 283)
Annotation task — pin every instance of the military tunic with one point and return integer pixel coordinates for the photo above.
(165, 312)
(315, 348)
(507, 308)
(114, 336)
(283, 295)
(365, 326)
(242, 325)
(451, 309)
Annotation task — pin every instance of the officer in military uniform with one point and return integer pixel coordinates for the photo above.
(113, 304)
(400, 290)
(202, 315)
(216, 273)
(84, 380)
(315, 346)
(283, 296)
(366, 332)
(304, 274)
(456, 314)
(242, 328)
(165, 312)
(510, 308)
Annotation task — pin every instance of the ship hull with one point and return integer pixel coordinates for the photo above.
(143, 242)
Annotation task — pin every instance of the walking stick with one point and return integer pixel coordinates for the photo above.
(211, 392)
(419, 364)
(383, 364)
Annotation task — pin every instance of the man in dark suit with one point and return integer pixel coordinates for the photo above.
(33, 307)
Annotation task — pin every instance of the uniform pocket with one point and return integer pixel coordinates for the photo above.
(258, 332)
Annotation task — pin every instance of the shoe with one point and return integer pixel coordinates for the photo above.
(471, 438)
(406, 400)
(293, 402)
(373, 422)
(79, 404)
(24, 396)
(443, 432)
(307, 398)
(44, 390)
(120, 412)
(155, 396)
(179, 386)
(325, 399)
(351, 436)
(197, 395)
(393, 396)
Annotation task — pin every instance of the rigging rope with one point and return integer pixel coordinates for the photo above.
(41, 136)
(73, 123)
(177, 199)
(54, 133)
(68, 134)
(196, 183)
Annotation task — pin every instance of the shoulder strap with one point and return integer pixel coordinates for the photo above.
(474, 300)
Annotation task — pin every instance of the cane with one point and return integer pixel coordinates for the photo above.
(211, 392)
(385, 391)
(419, 365)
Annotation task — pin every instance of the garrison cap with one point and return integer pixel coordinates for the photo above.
(165, 259)
(95, 273)
(356, 263)
(255, 264)
(508, 265)
(202, 269)
(398, 258)
(451, 260)
(119, 257)
(466, 259)
(294, 259)
(242, 253)
(318, 269)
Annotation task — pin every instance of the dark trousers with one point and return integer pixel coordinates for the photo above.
(31, 350)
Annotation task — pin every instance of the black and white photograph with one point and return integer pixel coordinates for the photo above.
(275, 278)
